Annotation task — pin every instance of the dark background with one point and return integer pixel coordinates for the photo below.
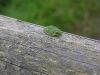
(80, 17)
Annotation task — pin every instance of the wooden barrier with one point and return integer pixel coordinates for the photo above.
(26, 50)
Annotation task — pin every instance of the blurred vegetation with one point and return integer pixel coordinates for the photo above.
(74, 16)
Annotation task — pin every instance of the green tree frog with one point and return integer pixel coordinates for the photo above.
(52, 31)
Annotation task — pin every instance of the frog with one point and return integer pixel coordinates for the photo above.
(52, 31)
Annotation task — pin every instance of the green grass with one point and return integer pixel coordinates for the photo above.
(75, 16)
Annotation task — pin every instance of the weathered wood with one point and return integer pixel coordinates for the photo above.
(26, 50)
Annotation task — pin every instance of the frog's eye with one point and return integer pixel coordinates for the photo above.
(56, 33)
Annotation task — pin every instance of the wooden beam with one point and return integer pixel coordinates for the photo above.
(26, 50)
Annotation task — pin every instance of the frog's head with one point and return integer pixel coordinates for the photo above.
(57, 33)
